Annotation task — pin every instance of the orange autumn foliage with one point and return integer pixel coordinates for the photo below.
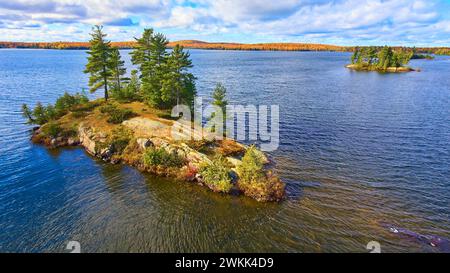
(195, 44)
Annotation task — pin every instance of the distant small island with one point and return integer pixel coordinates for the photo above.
(384, 59)
(133, 123)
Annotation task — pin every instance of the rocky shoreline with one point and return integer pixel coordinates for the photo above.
(105, 145)
(387, 70)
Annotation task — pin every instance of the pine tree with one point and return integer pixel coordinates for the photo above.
(118, 70)
(133, 87)
(178, 84)
(40, 114)
(219, 97)
(143, 49)
(151, 56)
(355, 55)
(98, 65)
(165, 80)
(28, 114)
(384, 58)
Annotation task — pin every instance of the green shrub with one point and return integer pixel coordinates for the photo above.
(116, 114)
(52, 129)
(43, 114)
(67, 101)
(108, 108)
(120, 116)
(216, 175)
(251, 170)
(154, 157)
(255, 182)
(120, 139)
(86, 107)
(130, 89)
(40, 114)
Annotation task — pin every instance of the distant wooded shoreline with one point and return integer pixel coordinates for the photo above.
(194, 44)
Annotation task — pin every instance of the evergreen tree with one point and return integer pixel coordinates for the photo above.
(133, 87)
(40, 114)
(178, 84)
(371, 54)
(219, 97)
(355, 55)
(151, 56)
(28, 114)
(384, 58)
(118, 70)
(98, 65)
(143, 49)
(165, 80)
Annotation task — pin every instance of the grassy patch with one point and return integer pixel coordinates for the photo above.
(116, 114)
(52, 129)
(154, 157)
(228, 147)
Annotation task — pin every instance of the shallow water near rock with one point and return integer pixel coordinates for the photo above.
(356, 149)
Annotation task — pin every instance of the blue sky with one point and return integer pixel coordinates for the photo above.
(342, 22)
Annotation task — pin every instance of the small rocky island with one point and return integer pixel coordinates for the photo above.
(139, 136)
(382, 59)
(133, 124)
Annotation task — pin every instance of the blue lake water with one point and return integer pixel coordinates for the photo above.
(356, 149)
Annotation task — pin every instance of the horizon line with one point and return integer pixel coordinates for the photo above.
(200, 44)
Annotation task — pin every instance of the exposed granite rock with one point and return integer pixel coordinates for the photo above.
(86, 136)
(145, 127)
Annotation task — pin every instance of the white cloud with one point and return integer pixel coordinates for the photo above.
(343, 21)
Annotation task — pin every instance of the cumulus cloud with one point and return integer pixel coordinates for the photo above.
(338, 21)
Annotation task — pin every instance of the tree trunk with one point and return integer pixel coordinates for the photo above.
(106, 91)
(105, 79)
(118, 81)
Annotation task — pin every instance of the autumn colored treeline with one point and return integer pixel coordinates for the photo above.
(218, 46)
(186, 44)
(60, 45)
(262, 46)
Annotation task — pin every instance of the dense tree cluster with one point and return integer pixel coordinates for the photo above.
(165, 78)
(163, 81)
(381, 58)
